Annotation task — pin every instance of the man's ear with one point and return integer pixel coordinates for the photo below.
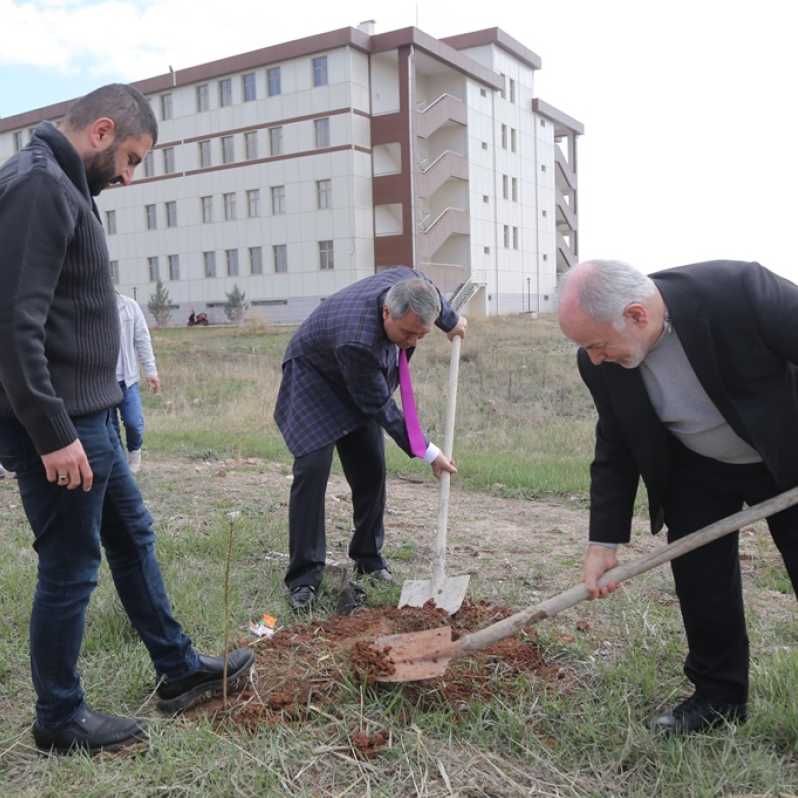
(637, 314)
(102, 132)
(385, 313)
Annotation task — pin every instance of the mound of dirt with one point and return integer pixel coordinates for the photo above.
(310, 664)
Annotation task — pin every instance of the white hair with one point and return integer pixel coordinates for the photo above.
(414, 294)
(608, 287)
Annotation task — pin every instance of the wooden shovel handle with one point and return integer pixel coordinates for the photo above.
(497, 631)
(439, 570)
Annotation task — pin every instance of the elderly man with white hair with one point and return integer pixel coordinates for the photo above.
(693, 374)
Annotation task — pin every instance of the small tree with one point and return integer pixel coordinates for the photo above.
(160, 305)
(236, 305)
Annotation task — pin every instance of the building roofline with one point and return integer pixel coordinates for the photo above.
(497, 36)
(560, 118)
(298, 48)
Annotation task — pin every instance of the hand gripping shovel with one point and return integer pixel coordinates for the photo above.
(425, 655)
(446, 592)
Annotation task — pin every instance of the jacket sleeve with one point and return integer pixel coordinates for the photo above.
(142, 342)
(614, 475)
(370, 392)
(774, 301)
(36, 226)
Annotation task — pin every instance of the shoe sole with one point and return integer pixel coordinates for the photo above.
(129, 745)
(204, 692)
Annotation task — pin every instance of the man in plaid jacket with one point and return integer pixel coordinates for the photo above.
(339, 372)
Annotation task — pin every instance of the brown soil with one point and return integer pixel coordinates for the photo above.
(302, 669)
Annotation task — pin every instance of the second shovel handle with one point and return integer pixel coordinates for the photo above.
(439, 571)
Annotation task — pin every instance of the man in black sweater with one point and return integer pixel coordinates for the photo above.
(59, 340)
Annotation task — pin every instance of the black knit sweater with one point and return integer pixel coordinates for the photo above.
(59, 330)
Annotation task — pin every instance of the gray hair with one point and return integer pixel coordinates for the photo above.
(608, 287)
(415, 294)
(127, 106)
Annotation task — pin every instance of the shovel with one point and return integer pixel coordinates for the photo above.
(446, 592)
(426, 655)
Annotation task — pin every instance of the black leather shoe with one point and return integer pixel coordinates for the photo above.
(176, 695)
(90, 731)
(302, 597)
(696, 714)
(378, 575)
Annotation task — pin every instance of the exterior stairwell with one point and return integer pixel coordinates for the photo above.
(443, 110)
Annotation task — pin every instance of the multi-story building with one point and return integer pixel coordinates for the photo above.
(294, 170)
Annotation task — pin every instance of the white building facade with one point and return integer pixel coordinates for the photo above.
(295, 170)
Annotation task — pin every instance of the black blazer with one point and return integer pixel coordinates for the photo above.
(738, 324)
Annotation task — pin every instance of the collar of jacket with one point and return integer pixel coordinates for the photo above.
(66, 155)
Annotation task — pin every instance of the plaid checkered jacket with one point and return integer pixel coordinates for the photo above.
(340, 368)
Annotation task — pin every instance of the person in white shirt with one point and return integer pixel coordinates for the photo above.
(135, 345)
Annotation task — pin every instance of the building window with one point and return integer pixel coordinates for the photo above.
(150, 217)
(515, 189)
(278, 200)
(229, 201)
(166, 106)
(324, 194)
(280, 253)
(506, 236)
(273, 80)
(18, 145)
(256, 260)
(513, 139)
(505, 190)
(171, 213)
(203, 98)
(502, 90)
(149, 165)
(168, 160)
(206, 206)
(504, 137)
(543, 167)
(114, 264)
(484, 145)
(228, 149)
(204, 153)
(483, 92)
(320, 70)
(253, 202)
(486, 250)
(512, 90)
(209, 261)
(485, 198)
(544, 213)
(174, 267)
(322, 129)
(515, 238)
(251, 145)
(276, 140)
(152, 266)
(110, 223)
(545, 256)
(231, 256)
(543, 123)
(248, 87)
(326, 260)
(225, 92)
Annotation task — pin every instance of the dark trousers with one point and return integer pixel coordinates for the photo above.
(132, 416)
(69, 526)
(708, 581)
(362, 454)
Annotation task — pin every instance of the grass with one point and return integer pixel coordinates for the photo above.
(524, 431)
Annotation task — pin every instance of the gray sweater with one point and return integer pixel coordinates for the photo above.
(59, 330)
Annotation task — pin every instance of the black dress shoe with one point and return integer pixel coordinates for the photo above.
(90, 731)
(176, 695)
(696, 714)
(302, 597)
(378, 575)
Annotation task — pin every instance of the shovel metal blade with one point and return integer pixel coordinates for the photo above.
(417, 655)
(447, 595)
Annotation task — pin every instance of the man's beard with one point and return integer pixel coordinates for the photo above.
(101, 170)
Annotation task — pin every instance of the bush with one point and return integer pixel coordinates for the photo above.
(236, 305)
(160, 305)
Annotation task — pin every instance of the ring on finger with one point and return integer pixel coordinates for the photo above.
(63, 477)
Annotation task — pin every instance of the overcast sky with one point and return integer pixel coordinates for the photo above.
(688, 152)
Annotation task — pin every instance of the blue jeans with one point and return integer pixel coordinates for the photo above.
(68, 528)
(132, 416)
